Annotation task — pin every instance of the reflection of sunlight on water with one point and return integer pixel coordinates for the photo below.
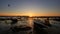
(30, 22)
(6, 24)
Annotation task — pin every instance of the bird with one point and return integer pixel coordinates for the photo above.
(8, 5)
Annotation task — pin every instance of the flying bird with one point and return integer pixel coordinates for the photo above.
(8, 5)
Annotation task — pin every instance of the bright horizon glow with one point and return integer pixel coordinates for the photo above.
(29, 14)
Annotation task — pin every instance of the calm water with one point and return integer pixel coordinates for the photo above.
(6, 24)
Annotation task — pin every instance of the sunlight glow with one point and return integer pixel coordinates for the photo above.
(30, 15)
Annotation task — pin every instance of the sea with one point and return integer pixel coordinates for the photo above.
(5, 25)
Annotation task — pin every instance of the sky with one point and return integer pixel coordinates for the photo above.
(30, 7)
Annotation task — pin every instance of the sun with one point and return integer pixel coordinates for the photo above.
(30, 15)
(29, 12)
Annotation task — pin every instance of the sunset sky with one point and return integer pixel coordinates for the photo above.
(30, 7)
